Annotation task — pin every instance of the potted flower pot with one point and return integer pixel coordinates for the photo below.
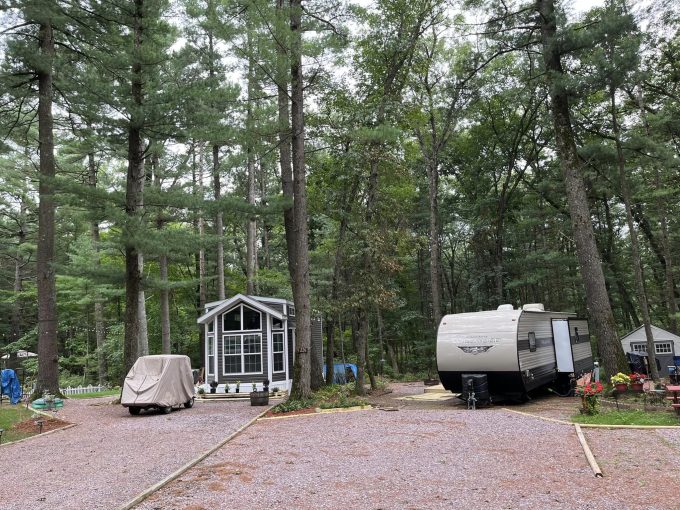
(621, 387)
(636, 386)
(259, 398)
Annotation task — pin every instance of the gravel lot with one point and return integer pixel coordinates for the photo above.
(110, 456)
(417, 458)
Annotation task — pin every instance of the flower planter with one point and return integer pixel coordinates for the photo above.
(621, 387)
(259, 398)
(636, 387)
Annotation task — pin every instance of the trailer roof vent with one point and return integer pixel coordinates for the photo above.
(505, 307)
(534, 307)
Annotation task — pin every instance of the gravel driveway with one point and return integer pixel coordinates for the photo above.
(423, 458)
(110, 456)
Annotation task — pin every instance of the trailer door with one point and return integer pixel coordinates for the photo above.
(563, 354)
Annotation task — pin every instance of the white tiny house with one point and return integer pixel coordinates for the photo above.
(517, 350)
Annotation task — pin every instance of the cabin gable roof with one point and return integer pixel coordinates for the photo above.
(233, 301)
(659, 334)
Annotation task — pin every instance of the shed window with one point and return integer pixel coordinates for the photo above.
(663, 348)
(277, 350)
(277, 323)
(242, 354)
(532, 341)
(639, 347)
(291, 310)
(575, 335)
(242, 318)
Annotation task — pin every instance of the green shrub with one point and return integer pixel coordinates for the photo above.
(293, 405)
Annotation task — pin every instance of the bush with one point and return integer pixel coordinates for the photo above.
(293, 405)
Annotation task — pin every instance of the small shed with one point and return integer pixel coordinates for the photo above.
(252, 338)
(666, 345)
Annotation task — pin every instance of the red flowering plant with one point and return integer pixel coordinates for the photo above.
(590, 395)
(637, 378)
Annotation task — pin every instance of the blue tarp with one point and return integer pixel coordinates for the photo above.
(10, 385)
(340, 372)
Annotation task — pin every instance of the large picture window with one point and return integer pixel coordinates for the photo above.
(242, 318)
(277, 351)
(242, 354)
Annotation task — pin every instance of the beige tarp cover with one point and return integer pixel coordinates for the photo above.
(163, 381)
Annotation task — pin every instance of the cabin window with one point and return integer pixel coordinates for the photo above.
(211, 327)
(277, 350)
(251, 319)
(242, 318)
(277, 323)
(532, 341)
(242, 354)
(211, 355)
(231, 321)
(291, 311)
(639, 348)
(663, 348)
(232, 354)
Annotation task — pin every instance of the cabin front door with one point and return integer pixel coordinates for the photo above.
(563, 354)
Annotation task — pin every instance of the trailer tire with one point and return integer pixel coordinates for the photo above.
(134, 411)
(166, 410)
(189, 403)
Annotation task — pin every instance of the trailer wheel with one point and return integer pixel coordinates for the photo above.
(134, 411)
(166, 410)
(189, 403)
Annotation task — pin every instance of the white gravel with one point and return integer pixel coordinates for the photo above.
(416, 459)
(110, 456)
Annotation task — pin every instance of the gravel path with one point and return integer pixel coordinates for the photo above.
(422, 458)
(110, 456)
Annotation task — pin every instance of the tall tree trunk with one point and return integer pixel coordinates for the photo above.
(48, 356)
(99, 326)
(435, 249)
(197, 178)
(599, 307)
(330, 350)
(632, 233)
(251, 227)
(306, 370)
(219, 228)
(17, 305)
(164, 305)
(133, 201)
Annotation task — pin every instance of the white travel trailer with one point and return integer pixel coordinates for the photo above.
(517, 350)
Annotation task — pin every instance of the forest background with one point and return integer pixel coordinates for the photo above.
(434, 170)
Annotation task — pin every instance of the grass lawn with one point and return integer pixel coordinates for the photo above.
(105, 393)
(9, 415)
(629, 417)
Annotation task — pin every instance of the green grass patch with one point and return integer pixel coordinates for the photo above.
(628, 417)
(105, 393)
(9, 415)
(328, 397)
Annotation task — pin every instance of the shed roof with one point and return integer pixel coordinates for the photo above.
(221, 306)
(660, 335)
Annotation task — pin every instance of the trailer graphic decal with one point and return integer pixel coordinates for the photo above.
(475, 349)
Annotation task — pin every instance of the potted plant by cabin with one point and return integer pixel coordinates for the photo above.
(238, 386)
(620, 382)
(636, 381)
(260, 398)
(226, 387)
(213, 387)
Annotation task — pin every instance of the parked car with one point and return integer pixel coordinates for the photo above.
(159, 382)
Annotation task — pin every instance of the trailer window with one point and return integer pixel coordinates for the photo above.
(532, 341)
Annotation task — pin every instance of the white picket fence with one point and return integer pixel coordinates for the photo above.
(79, 390)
